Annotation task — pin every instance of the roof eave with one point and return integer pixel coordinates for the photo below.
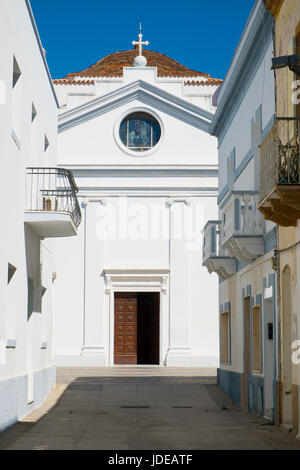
(259, 16)
(39, 42)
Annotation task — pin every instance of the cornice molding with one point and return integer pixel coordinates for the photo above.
(188, 193)
(274, 6)
(147, 166)
(142, 171)
(253, 45)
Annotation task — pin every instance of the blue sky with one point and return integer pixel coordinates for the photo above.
(200, 34)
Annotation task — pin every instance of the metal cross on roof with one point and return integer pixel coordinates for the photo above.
(140, 42)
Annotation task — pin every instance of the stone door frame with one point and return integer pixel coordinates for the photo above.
(138, 280)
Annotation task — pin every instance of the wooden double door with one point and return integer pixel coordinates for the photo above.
(136, 328)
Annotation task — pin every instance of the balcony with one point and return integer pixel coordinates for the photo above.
(52, 208)
(279, 198)
(214, 258)
(243, 226)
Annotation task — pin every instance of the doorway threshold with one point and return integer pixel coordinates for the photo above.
(140, 366)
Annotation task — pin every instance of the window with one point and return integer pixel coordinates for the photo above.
(17, 104)
(33, 113)
(46, 145)
(256, 338)
(16, 72)
(140, 131)
(11, 271)
(225, 338)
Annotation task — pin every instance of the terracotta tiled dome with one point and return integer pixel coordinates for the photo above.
(112, 65)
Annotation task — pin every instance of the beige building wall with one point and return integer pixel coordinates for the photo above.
(287, 28)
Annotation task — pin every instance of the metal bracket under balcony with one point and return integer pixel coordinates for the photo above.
(52, 208)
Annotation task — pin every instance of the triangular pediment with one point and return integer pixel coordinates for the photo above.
(147, 94)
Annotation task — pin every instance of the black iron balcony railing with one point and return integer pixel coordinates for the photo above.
(279, 156)
(288, 149)
(52, 190)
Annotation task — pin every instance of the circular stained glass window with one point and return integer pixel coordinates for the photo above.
(140, 132)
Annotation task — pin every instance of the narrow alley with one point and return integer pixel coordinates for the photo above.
(143, 408)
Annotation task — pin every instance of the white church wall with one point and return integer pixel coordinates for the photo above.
(204, 101)
(124, 250)
(69, 294)
(26, 370)
(103, 86)
(204, 328)
(96, 141)
(76, 99)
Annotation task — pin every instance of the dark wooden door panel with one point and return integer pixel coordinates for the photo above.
(125, 341)
(148, 328)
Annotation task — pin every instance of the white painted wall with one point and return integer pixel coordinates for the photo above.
(242, 132)
(72, 95)
(76, 298)
(21, 247)
(260, 92)
(231, 290)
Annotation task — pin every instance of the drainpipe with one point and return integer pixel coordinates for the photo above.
(298, 434)
(278, 328)
(84, 204)
(277, 274)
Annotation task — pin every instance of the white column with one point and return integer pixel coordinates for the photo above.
(179, 261)
(93, 351)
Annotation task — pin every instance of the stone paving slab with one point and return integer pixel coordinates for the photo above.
(67, 374)
(162, 412)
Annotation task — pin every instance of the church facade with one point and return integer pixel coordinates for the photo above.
(131, 288)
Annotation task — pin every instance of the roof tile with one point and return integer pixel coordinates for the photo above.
(65, 81)
(209, 82)
(112, 66)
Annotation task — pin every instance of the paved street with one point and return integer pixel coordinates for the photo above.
(143, 408)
